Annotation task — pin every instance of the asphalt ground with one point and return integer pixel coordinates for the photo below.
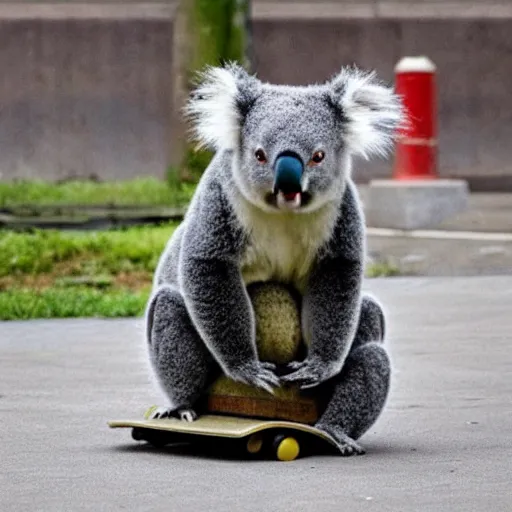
(444, 442)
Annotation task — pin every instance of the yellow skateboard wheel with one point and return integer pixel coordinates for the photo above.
(288, 449)
(254, 443)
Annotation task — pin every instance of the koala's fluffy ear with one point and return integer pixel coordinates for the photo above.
(218, 105)
(371, 111)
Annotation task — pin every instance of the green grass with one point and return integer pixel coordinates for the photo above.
(52, 274)
(135, 248)
(23, 304)
(136, 192)
(382, 270)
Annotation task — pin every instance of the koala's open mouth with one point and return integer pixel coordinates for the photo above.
(288, 200)
(291, 200)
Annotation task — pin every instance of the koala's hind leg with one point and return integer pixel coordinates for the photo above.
(360, 390)
(179, 358)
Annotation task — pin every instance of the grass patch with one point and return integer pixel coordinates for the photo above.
(52, 274)
(136, 192)
(86, 253)
(25, 304)
(382, 269)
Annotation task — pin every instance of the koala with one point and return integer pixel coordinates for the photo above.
(277, 203)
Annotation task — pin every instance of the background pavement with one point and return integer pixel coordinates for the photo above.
(444, 442)
(475, 242)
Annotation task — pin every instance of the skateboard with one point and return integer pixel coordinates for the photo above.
(278, 440)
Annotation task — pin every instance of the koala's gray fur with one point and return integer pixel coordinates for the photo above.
(200, 320)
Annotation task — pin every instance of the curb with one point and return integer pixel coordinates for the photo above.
(442, 235)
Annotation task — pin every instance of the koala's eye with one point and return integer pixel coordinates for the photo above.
(317, 157)
(260, 156)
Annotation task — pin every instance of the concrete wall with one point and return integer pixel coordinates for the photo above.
(86, 91)
(84, 98)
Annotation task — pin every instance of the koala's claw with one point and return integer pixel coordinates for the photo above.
(161, 413)
(294, 365)
(308, 373)
(260, 375)
(345, 444)
(265, 379)
(187, 415)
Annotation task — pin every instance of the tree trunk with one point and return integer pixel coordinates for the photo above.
(179, 76)
(206, 32)
(240, 44)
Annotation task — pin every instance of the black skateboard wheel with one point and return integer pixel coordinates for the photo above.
(137, 434)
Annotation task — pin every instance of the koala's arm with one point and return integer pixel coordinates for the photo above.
(332, 298)
(213, 290)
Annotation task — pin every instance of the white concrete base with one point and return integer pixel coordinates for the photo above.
(414, 204)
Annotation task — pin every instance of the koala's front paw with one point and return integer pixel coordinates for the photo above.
(166, 412)
(308, 373)
(261, 375)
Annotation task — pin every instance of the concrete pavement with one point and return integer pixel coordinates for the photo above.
(443, 444)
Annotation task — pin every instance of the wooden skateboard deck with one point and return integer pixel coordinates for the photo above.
(283, 435)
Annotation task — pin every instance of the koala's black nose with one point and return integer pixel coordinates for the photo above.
(288, 169)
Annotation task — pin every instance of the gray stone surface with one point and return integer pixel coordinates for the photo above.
(444, 443)
(414, 204)
(442, 253)
(486, 212)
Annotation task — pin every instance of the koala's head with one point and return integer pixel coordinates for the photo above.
(293, 145)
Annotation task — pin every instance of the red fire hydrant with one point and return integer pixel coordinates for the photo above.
(416, 149)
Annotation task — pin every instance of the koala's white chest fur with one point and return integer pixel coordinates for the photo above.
(282, 246)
